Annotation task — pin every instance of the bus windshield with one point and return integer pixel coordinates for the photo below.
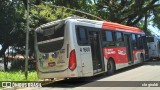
(50, 37)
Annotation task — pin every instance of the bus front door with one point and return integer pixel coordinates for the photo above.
(94, 38)
(128, 43)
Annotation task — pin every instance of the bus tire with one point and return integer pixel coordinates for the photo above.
(142, 58)
(110, 67)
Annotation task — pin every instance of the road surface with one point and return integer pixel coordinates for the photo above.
(144, 74)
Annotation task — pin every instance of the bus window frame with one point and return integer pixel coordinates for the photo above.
(77, 36)
(133, 47)
(114, 38)
(113, 33)
(121, 35)
(137, 42)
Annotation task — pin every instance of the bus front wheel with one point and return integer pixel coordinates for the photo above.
(110, 67)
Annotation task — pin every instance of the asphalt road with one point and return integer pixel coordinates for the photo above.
(138, 77)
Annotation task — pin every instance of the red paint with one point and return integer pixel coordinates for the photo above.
(51, 64)
(119, 54)
(72, 74)
(120, 27)
(137, 51)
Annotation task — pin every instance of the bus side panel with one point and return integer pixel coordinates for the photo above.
(86, 60)
(137, 55)
(71, 35)
(83, 54)
(118, 54)
(83, 58)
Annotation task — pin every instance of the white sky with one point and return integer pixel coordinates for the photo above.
(154, 29)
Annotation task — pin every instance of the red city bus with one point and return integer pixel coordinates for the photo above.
(75, 47)
(122, 45)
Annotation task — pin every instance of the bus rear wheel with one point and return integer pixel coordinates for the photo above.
(110, 67)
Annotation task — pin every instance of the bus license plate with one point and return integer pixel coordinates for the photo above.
(51, 64)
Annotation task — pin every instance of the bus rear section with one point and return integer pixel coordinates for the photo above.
(55, 55)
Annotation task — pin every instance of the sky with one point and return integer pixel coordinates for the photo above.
(154, 29)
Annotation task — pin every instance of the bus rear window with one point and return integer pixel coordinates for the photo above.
(50, 46)
(50, 38)
(50, 33)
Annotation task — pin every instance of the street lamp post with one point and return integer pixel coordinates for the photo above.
(27, 42)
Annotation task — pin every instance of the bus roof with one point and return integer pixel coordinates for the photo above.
(113, 26)
(105, 25)
(120, 27)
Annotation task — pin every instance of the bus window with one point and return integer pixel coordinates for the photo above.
(119, 36)
(50, 38)
(109, 36)
(82, 36)
(140, 42)
(119, 39)
(134, 41)
(108, 40)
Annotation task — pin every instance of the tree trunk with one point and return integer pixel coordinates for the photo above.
(2, 54)
(145, 22)
(5, 63)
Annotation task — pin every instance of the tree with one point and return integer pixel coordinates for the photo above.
(11, 25)
(156, 18)
(6, 25)
(128, 12)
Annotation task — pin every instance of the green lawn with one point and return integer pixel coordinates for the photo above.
(18, 76)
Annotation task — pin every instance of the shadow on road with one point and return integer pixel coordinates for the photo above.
(76, 82)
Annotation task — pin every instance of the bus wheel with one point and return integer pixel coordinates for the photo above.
(110, 67)
(142, 58)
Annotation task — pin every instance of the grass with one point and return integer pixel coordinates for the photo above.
(18, 76)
